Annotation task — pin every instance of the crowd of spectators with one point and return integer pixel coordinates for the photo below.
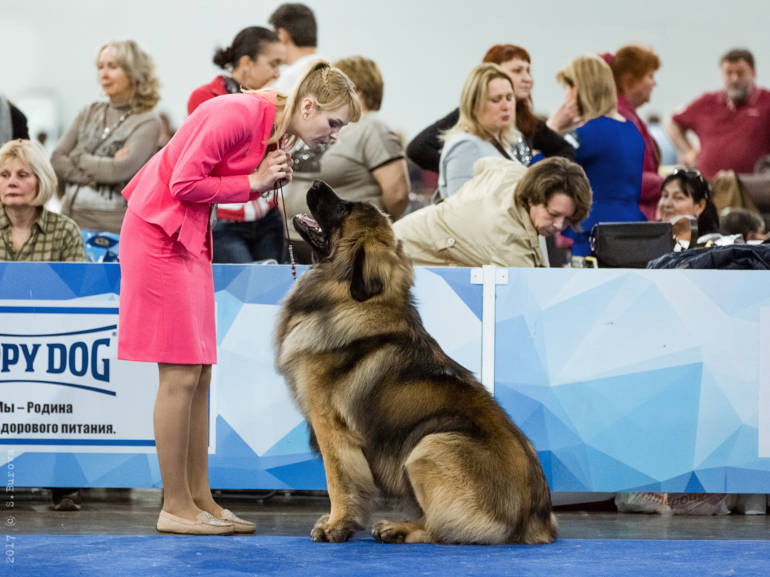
(724, 134)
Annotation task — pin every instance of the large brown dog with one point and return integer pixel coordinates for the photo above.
(388, 409)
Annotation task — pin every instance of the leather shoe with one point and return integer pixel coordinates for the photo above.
(204, 524)
(240, 525)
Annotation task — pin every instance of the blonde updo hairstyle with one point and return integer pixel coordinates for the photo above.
(35, 157)
(328, 86)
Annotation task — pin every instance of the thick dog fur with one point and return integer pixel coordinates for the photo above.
(390, 412)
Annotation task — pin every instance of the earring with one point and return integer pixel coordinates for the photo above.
(304, 116)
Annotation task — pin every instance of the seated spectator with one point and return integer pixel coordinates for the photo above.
(750, 191)
(366, 163)
(634, 70)
(29, 232)
(109, 141)
(486, 127)
(13, 123)
(425, 148)
(496, 217)
(608, 147)
(686, 193)
(252, 231)
(748, 223)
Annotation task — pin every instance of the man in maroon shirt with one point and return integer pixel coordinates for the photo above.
(732, 125)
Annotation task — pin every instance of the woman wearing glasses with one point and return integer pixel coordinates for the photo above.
(608, 147)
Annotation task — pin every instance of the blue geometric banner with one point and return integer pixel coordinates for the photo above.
(624, 380)
(636, 380)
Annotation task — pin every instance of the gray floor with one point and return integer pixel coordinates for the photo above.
(134, 512)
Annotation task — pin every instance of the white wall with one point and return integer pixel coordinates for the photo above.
(425, 48)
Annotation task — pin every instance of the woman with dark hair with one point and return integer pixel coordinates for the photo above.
(686, 193)
(252, 231)
(425, 148)
(254, 59)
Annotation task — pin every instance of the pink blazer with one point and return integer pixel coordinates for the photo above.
(207, 161)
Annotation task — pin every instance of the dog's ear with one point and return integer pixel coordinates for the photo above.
(367, 280)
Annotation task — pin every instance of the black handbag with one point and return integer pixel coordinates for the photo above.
(630, 244)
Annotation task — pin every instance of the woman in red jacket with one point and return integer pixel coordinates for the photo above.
(252, 231)
(219, 154)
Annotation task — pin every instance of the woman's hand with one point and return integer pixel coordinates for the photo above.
(274, 168)
(121, 154)
(566, 116)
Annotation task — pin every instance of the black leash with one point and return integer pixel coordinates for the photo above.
(278, 189)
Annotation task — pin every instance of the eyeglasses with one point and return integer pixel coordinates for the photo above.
(694, 175)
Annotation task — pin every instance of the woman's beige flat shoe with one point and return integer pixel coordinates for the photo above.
(240, 525)
(204, 524)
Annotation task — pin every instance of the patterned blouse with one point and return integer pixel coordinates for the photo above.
(54, 238)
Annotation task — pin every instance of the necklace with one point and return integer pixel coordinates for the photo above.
(109, 129)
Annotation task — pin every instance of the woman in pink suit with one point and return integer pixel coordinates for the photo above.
(218, 155)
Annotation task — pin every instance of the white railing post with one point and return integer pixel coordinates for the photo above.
(489, 276)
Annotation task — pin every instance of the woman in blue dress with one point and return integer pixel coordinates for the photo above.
(608, 147)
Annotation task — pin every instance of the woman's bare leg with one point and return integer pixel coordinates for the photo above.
(197, 455)
(172, 421)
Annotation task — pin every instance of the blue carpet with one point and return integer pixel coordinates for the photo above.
(85, 555)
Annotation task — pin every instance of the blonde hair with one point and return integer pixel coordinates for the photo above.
(367, 77)
(473, 99)
(328, 86)
(35, 157)
(592, 78)
(140, 70)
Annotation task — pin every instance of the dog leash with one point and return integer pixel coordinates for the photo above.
(278, 189)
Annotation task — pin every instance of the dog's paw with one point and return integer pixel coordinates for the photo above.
(389, 532)
(403, 532)
(324, 532)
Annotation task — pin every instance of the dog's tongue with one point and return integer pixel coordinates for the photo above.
(309, 222)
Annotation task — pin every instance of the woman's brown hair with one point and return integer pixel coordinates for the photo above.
(632, 62)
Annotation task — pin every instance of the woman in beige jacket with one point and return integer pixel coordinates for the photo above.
(497, 216)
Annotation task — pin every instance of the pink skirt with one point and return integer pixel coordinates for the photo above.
(166, 298)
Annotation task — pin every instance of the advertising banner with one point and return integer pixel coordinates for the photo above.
(61, 384)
